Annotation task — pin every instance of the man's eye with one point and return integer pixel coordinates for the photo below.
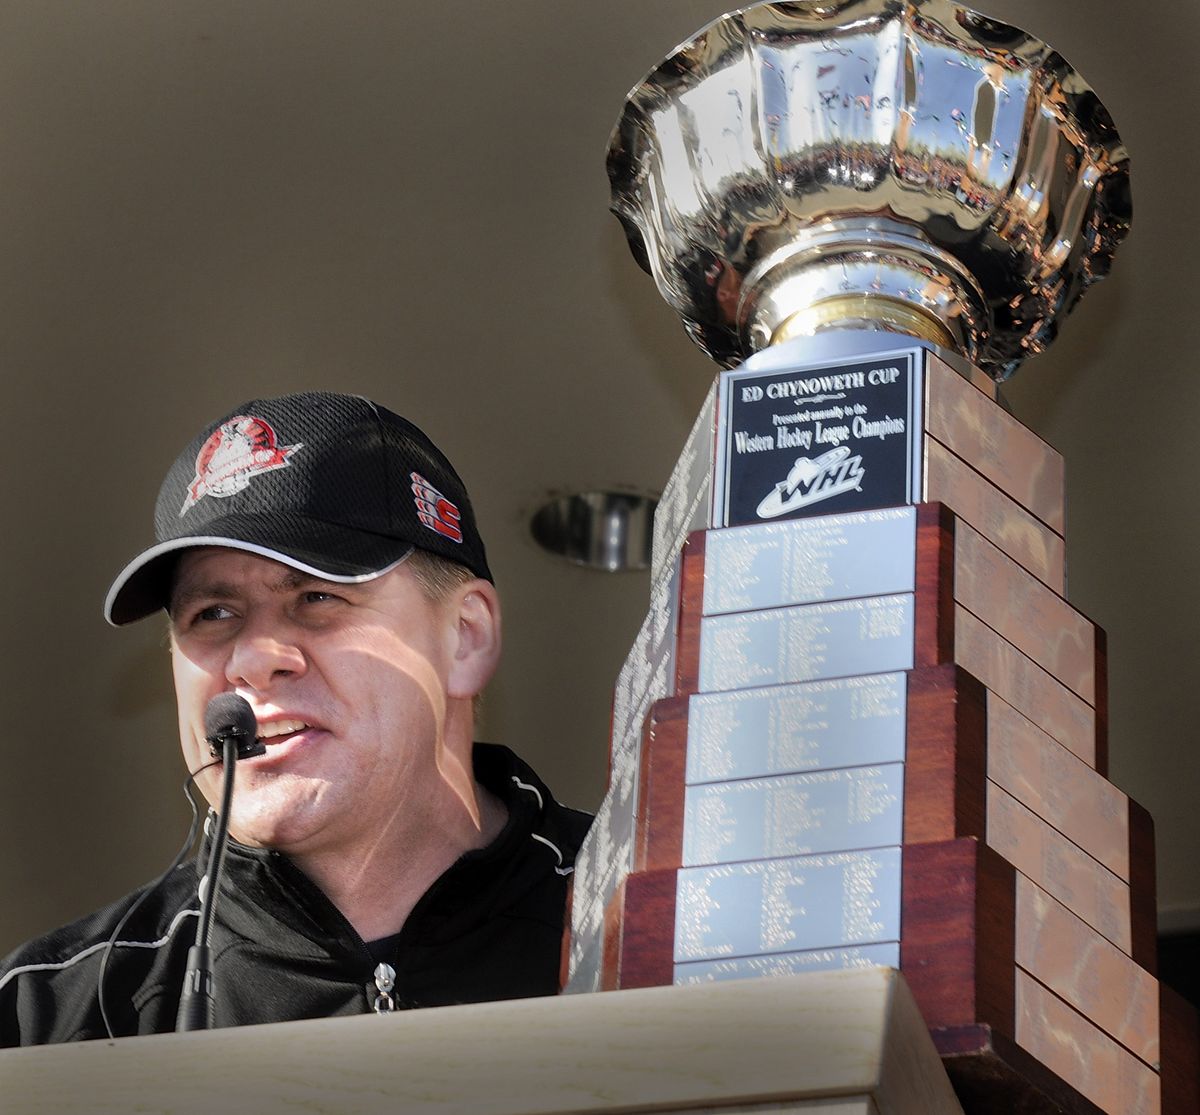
(211, 613)
(316, 596)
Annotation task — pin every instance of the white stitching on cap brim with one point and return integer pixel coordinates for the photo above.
(146, 556)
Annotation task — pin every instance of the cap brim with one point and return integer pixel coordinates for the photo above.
(144, 585)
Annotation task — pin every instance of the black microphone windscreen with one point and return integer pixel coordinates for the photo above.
(229, 714)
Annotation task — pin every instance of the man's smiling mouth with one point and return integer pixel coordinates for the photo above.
(274, 733)
(274, 729)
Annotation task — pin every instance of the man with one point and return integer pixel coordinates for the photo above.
(317, 555)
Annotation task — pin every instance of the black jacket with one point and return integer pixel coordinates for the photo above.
(490, 928)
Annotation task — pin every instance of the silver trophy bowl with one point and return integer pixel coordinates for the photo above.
(914, 167)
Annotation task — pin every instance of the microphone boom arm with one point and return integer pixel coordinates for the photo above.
(236, 737)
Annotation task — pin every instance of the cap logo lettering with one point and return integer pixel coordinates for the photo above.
(236, 452)
(434, 510)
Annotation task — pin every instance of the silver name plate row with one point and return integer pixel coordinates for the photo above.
(819, 725)
(843, 638)
(885, 955)
(787, 905)
(805, 561)
(792, 815)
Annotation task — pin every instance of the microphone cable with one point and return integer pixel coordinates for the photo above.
(230, 727)
(196, 1001)
(111, 944)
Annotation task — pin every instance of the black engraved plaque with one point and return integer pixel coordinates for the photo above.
(817, 440)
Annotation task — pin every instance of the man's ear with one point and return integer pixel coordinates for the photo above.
(476, 607)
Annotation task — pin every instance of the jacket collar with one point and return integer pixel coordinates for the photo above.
(265, 896)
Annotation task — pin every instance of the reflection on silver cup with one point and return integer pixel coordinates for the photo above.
(905, 165)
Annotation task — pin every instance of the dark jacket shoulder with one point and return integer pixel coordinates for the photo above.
(489, 928)
(49, 986)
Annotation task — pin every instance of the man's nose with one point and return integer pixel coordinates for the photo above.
(263, 654)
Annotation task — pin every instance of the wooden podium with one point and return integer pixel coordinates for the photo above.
(836, 1043)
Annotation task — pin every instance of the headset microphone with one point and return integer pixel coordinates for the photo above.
(229, 715)
(231, 729)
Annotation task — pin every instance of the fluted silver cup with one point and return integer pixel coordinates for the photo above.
(909, 166)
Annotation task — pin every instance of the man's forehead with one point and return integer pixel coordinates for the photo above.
(217, 570)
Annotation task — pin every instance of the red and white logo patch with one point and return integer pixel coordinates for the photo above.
(236, 452)
(435, 510)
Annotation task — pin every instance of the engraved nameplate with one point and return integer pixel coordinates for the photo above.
(994, 443)
(885, 955)
(648, 671)
(846, 637)
(1063, 870)
(1017, 606)
(603, 860)
(820, 439)
(1001, 520)
(585, 974)
(834, 557)
(1058, 786)
(684, 503)
(606, 855)
(787, 905)
(1085, 1057)
(793, 815)
(816, 725)
(1014, 678)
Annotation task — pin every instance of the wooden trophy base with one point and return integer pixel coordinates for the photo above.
(880, 737)
(1005, 977)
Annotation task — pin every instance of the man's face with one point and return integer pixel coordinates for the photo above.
(348, 684)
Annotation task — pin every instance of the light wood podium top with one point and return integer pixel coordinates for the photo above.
(834, 1043)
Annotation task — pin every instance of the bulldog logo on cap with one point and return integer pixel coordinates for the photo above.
(236, 452)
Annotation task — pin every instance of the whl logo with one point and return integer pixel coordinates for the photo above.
(812, 480)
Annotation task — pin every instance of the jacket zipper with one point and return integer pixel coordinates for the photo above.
(385, 983)
(384, 1001)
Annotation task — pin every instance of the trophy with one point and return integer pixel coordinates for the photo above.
(860, 723)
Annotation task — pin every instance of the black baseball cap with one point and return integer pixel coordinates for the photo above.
(334, 485)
